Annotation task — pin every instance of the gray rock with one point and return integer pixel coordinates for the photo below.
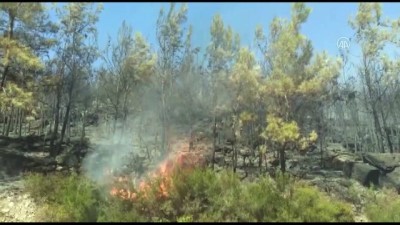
(240, 162)
(391, 180)
(383, 161)
(365, 174)
(219, 158)
(245, 151)
(72, 161)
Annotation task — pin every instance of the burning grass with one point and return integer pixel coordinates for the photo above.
(183, 156)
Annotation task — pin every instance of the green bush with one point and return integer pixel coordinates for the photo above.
(116, 210)
(199, 195)
(383, 207)
(310, 205)
(65, 197)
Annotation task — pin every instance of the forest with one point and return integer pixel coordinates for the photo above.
(172, 132)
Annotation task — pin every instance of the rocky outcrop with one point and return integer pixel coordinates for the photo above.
(385, 162)
(365, 174)
(338, 158)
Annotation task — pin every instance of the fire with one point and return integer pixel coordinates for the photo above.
(182, 155)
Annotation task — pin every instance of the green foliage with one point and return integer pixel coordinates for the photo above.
(199, 195)
(20, 54)
(116, 210)
(293, 76)
(66, 197)
(383, 207)
(309, 206)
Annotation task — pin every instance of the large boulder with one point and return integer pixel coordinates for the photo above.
(68, 158)
(338, 158)
(365, 174)
(385, 162)
(391, 180)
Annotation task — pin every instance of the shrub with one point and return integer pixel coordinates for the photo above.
(65, 197)
(383, 207)
(200, 195)
(310, 205)
(116, 210)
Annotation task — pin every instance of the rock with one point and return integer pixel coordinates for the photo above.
(245, 152)
(365, 174)
(332, 149)
(391, 180)
(315, 168)
(60, 159)
(240, 162)
(44, 168)
(67, 159)
(340, 162)
(219, 158)
(37, 145)
(226, 148)
(72, 161)
(348, 168)
(383, 161)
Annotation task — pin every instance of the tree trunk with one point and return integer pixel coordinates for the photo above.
(5, 122)
(41, 128)
(282, 159)
(387, 132)
(83, 127)
(115, 122)
(56, 122)
(16, 122)
(164, 120)
(372, 97)
(68, 132)
(65, 122)
(20, 123)
(10, 37)
(321, 128)
(214, 141)
(10, 119)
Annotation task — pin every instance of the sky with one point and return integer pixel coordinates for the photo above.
(327, 22)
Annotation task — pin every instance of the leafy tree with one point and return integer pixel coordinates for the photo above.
(246, 85)
(170, 35)
(374, 34)
(77, 52)
(26, 29)
(293, 77)
(221, 54)
(129, 62)
(17, 53)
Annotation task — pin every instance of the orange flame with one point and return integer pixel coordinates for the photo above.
(180, 157)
